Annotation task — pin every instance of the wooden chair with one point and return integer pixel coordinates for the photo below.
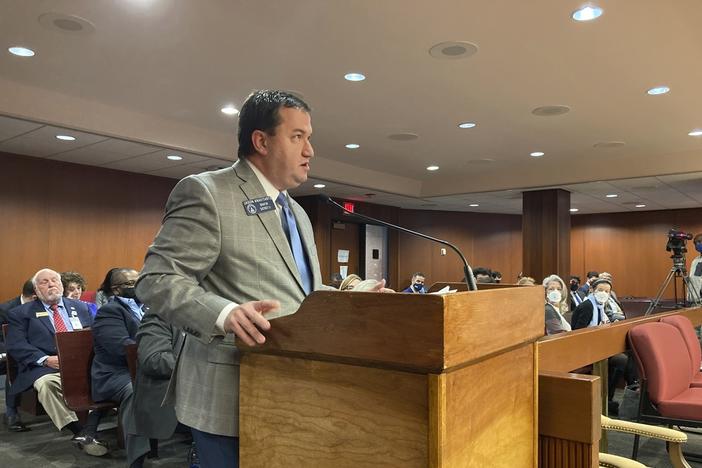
(29, 399)
(75, 354)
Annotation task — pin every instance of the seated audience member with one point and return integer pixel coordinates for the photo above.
(350, 282)
(116, 325)
(695, 272)
(556, 305)
(591, 276)
(617, 311)
(417, 284)
(73, 287)
(31, 341)
(576, 296)
(526, 281)
(483, 275)
(104, 293)
(496, 277)
(13, 421)
(144, 417)
(595, 311)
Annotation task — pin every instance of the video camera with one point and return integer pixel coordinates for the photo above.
(676, 242)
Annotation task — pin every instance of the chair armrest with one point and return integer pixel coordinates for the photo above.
(614, 461)
(662, 433)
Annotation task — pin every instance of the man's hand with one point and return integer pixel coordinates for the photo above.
(380, 287)
(246, 321)
(52, 361)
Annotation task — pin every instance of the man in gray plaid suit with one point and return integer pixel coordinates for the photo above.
(233, 246)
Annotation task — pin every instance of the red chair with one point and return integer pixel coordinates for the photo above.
(88, 296)
(664, 369)
(687, 330)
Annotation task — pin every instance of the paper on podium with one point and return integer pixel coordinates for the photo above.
(444, 290)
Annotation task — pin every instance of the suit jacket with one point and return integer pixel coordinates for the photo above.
(209, 253)
(30, 338)
(6, 307)
(115, 326)
(159, 344)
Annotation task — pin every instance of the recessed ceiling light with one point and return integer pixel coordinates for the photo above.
(574, 210)
(174, 157)
(611, 195)
(229, 110)
(587, 13)
(453, 50)
(536, 154)
(65, 137)
(354, 77)
(353, 146)
(695, 133)
(550, 111)
(319, 185)
(640, 205)
(466, 125)
(474, 205)
(21, 51)
(658, 90)
(432, 168)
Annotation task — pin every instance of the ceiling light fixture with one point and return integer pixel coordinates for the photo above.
(229, 110)
(352, 146)
(658, 90)
(174, 157)
(466, 125)
(432, 168)
(640, 205)
(474, 205)
(354, 77)
(611, 195)
(65, 137)
(21, 51)
(695, 133)
(536, 154)
(319, 185)
(574, 210)
(587, 13)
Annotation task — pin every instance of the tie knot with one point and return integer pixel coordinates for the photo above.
(54, 308)
(282, 200)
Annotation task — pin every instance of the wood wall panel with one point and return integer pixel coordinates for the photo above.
(74, 217)
(631, 246)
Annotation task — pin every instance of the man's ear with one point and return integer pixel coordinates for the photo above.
(259, 140)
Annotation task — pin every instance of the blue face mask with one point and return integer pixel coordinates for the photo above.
(418, 287)
(698, 247)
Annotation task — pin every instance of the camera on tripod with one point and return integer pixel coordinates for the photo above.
(676, 242)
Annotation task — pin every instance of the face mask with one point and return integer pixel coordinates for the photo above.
(601, 297)
(128, 293)
(574, 286)
(698, 247)
(554, 296)
(418, 287)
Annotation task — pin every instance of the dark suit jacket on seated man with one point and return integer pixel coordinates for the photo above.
(232, 241)
(31, 342)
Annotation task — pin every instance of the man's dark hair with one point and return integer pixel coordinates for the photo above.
(106, 286)
(260, 112)
(590, 274)
(576, 278)
(68, 277)
(418, 273)
(28, 288)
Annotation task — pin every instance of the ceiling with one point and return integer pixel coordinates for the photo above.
(145, 79)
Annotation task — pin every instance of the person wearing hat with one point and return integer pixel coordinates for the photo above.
(595, 311)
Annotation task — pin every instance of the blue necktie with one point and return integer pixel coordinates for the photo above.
(290, 228)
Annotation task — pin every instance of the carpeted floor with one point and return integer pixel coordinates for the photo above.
(44, 447)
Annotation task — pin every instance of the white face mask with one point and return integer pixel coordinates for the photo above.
(554, 296)
(601, 297)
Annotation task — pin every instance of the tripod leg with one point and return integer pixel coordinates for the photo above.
(661, 291)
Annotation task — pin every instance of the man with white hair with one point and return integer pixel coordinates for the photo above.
(32, 329)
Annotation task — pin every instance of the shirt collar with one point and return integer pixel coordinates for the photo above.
(48, 306)
(268, 187)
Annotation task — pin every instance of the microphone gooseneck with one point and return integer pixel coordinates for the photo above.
(467, 270)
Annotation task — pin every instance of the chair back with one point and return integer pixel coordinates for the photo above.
(663, 359)
(75, 353)
(88, 296)
(687, 330)
(9, 360)
(131, 353)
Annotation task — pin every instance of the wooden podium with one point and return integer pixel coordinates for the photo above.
(395, 380)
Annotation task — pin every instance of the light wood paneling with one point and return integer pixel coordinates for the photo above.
(322, 414)
(74, 217)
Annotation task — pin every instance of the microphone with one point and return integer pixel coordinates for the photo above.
(467, 270)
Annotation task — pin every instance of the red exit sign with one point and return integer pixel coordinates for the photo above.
(349, 206)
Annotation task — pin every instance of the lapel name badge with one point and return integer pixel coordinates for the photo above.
(42, 314)
(258, 205)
